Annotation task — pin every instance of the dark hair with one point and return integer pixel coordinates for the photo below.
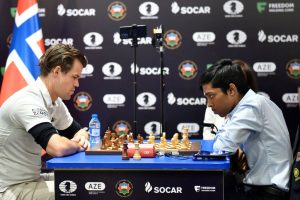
(248, 73)
(60, 55)
(224, 72)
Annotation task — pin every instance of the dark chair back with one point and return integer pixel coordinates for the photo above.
(295, 171)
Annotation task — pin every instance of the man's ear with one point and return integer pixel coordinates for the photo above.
(232, 90)
(56, 70)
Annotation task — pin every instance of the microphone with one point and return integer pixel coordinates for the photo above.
(208, 124)
(211, 125)
(157, 36)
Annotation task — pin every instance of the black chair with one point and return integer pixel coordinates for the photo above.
(294, 175)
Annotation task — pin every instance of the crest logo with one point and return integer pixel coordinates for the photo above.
(121, 127)
(82, 101)
(172, 39)
(293, 68)
(188, 70)
(117, 10)
(124, 188)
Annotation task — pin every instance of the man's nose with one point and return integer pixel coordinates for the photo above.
(77, 83)
(209, 103)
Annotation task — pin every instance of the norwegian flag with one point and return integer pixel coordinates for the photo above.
(26, 48)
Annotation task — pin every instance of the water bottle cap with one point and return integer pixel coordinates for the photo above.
(94, 115)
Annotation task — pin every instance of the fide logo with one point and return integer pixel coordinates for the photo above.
(146, 100)
(236, 38)
(93, 40)
(117, 11)
(112, 71)
(233, 8)
(172, 39)
(149, 10)
(87, 71)
(153, 128)
(67, 187)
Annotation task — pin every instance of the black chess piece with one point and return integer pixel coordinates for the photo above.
(124, 152)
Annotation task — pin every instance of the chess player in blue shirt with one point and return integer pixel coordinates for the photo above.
(255, 123)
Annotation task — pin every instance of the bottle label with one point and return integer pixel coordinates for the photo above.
(94, 132)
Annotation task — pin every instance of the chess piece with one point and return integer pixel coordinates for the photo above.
(136, 155)
(103, 143)
(124, 152)
(174, 140)
(184, 144)
(121, 140)
(151, 139)
(140, 139)
(113, 136)
(107, 136)
(185, 139)
(163, 141)
(115, 144)
(130, 138)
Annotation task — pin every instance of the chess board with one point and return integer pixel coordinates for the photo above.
(193, 148)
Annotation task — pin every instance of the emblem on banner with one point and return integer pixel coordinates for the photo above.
(124, 188)
(293, 68)
(116, 11)
(233, 8)
(121, 127)
(172, 39)
(188, 70)
(67, 186)
(82, 101)
(149, 10)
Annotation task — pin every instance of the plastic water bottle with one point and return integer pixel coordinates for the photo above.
(94, 131)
